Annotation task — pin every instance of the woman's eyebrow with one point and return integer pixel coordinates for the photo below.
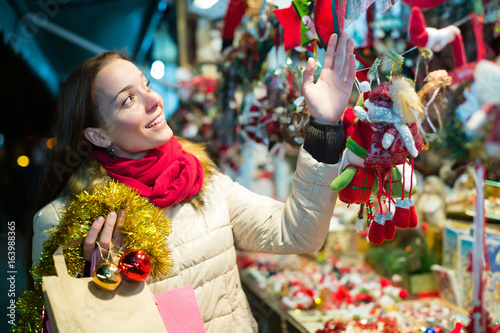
(124, 89)
(128, 87)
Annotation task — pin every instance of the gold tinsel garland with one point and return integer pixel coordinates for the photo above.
(146, 227)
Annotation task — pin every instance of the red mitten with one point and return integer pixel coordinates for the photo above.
(376, 230)
(413, 217)
(401, 218)
(389, 227)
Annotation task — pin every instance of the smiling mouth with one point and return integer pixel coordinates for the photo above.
(156, 121)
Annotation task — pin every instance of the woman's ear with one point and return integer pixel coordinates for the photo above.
(96, 136)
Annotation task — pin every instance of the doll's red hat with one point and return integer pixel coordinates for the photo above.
(379, 96)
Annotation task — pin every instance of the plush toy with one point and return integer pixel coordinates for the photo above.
(383, 131)
(437, 39)
(432, 38)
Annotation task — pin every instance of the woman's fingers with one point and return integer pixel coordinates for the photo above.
(352, 71)
(117, 234)
(91, 238)
(347, 64)
(330, 51)
(107, 231)
(102, 231)
(340, 53)
(308, 74)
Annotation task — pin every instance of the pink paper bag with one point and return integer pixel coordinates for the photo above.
(179, 310)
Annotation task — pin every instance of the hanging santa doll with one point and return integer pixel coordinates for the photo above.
(383, 131)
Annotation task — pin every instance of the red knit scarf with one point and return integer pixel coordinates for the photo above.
(166, 175)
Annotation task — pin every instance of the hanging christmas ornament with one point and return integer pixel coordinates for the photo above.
(434, 98)
(389, 227)
(376, 231)
(107, 276)
(134, 265)
(382, 133)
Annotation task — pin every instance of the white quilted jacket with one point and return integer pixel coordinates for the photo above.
(204, 243)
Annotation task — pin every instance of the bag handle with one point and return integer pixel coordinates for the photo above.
(58, 257)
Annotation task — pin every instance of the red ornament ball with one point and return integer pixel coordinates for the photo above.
(135, 265)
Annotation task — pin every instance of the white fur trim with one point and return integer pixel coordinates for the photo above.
(438, 39)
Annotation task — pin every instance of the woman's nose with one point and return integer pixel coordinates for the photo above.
(152, 101)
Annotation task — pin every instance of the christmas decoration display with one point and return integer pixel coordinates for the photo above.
(325, 294)
(383, 130)
(146, 228)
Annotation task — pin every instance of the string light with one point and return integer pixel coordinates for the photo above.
(158, 69)
(50, 143)
(23, 161)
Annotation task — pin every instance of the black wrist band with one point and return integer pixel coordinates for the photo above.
(325, 142)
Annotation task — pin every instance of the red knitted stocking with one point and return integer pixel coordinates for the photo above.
(376, 230)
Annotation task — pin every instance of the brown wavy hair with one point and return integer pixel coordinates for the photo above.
(76, 110)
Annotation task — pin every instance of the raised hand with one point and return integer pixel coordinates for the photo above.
(328, 97)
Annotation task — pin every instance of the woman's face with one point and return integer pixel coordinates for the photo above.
(134, 121)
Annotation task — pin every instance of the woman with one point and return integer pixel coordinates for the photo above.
(108, 103)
